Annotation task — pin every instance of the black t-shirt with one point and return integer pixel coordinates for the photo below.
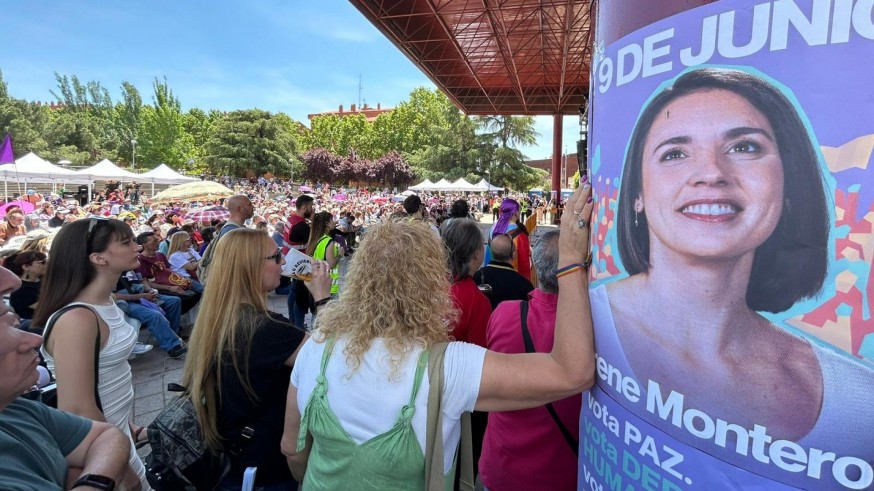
(272, 343)
(23, 298)
(506, 283)
(300, 233)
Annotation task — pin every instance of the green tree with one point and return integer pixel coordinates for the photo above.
(24, 121)
(458, 150)
(82, 129)
(200, 125)
(253, 141)
(415, 123)
(127, 119)
(163, 138)
(341, 135)
(507, 166)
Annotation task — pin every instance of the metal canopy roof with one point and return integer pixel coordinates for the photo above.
(495, 56)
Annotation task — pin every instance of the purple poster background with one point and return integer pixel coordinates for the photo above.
(652, 422)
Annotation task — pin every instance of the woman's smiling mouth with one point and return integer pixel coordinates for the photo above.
(710, 211)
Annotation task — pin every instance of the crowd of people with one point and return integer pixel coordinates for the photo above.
(418, 274)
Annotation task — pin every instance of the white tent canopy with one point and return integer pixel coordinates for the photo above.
(483, 185)
(163, 174)
(105, 170)
(462, 185)
(32, 168)
(442, 185)
(425, 185)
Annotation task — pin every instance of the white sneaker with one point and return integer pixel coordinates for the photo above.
(140, 349)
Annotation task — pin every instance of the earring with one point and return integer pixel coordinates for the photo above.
(635, 218)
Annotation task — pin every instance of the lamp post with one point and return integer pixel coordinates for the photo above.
(133, 144)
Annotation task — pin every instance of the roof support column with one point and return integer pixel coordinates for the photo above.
(556, 164)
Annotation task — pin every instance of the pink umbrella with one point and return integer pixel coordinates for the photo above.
(379, 199)
(208, 214)
(305, 189)
(339, 197)
(26, 207)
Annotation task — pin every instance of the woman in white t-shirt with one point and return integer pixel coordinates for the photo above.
(183, 258)
(357, 403)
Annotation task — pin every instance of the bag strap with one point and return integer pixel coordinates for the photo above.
(434, 477)
(529, 348)
(51, 325)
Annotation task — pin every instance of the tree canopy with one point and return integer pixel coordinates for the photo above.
(425, 136)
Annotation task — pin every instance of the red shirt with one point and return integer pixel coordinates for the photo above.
(291, 237)
(157, 269)
(474, 314)
(525, 449)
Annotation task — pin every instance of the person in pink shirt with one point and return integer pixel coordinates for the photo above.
(532, 449)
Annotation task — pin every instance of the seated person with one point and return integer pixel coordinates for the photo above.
(12, 226)
(29, 266)
(155, 268)
(41, 447)
(183, 259)
(159, 313)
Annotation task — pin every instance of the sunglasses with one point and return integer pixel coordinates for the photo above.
(276, 257)
(92, 226)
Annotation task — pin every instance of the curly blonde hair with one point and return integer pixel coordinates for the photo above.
(397, 289)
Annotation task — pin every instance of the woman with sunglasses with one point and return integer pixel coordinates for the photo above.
(88, 257)
(183, 259)
(29, 266)
(240, 357)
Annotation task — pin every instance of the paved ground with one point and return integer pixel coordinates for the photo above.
(154, 370)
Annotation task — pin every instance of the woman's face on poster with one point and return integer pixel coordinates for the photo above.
(712, 176)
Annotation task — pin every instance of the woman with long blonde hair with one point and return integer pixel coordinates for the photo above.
(240, 357)
(183, 259)
(357, 403)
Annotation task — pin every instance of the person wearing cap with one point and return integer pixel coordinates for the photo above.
(32, 196)
(12, 226)
(31, 222)
(130, 220)
(58, 218)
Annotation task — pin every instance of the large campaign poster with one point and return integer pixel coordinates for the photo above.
(731, 288)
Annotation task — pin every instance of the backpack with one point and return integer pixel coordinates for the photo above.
(180, 459)
(206, 257)
(205, 260)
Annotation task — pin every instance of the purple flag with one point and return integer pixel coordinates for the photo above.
(6, 156)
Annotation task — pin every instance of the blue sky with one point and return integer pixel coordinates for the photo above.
(295, 56)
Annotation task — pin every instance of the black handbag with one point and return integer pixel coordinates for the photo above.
(180, 459)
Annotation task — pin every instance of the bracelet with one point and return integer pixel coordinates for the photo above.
(573, 268)
(323, 301)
